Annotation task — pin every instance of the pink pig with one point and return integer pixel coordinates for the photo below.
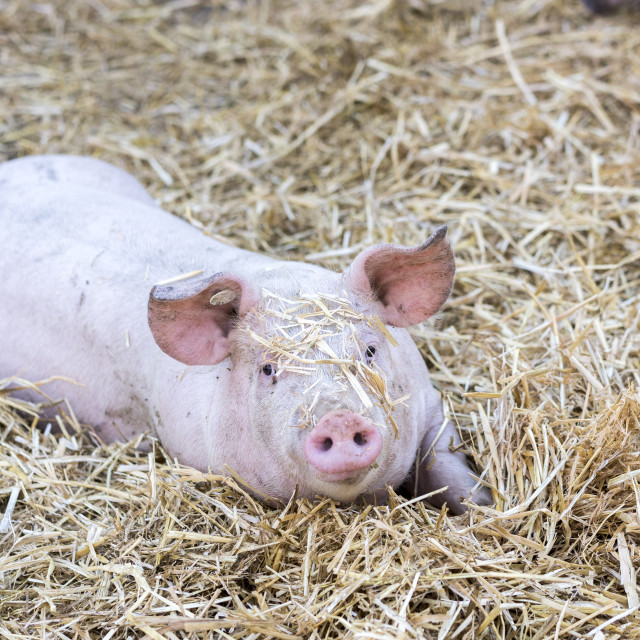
(212, 363)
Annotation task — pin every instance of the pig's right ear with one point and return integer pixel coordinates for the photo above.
(191, 320)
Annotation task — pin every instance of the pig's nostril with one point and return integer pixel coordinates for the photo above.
(342, 442)
(360, 439)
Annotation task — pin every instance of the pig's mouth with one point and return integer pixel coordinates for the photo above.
(343, 477)
(342, 486)
(348, 478)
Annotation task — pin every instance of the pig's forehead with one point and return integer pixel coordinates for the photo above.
(286, 286)
(337, 311)
(298, 278)
(304, 302)
(298, 315)
(319, 340)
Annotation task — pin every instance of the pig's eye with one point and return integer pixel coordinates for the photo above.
(268, 370)
(370, 352)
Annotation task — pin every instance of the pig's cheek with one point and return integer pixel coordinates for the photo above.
(272, 418)
(400, 451)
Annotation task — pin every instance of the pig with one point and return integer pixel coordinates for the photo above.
(284, 374)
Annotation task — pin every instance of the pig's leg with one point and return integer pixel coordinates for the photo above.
(439, 466)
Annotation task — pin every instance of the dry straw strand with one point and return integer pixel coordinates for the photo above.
(307, 131)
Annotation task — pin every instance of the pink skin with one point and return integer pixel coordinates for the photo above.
(81, 244)
(342, 444)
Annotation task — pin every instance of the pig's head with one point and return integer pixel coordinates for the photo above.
(332, 394)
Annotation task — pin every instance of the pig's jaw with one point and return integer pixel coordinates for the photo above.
(368, 485)
(340, 491)
(347, 477)
(343, 487)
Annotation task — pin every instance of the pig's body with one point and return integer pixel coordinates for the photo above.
(82, 244)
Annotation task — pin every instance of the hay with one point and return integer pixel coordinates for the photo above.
(297, 339)
(306, 130)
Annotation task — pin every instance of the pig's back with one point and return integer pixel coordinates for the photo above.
(54, 204)
(81, 245)
(71, 171)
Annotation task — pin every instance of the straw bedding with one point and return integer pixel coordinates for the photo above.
(309, 131)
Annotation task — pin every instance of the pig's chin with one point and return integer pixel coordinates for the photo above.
(343, 477)
(344, 486)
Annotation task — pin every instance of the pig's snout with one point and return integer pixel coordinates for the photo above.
(342, 443)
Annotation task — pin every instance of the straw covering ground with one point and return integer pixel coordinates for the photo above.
(311, 130)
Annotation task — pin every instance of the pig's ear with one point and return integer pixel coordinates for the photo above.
(410, 283)
(191, 320)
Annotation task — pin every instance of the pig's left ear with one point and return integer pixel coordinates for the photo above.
(410, 283)
(191, 320)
